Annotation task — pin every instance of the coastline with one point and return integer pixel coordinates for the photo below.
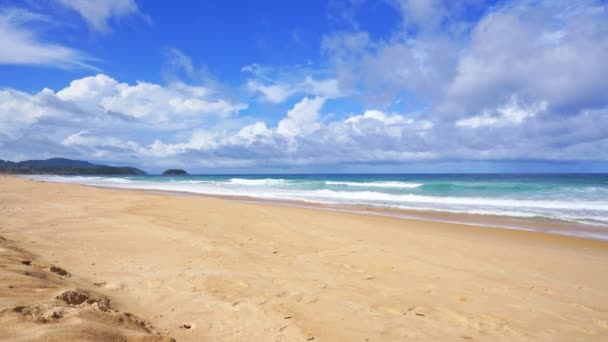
(535, 224)
(541, 225)
(248, 272)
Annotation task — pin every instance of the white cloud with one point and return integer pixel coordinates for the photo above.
(98, 13)
(197, 106)
(276, 85)
(100, 145)
(99, 116)
(511, 113)
(328, 88)
(199, 140)
(550, 51)
(146, 99)
(433, 15)
(527, 81)
(18, 109)
(21, 43)
(302, 118)
(76, 121)
(381, 71)
(88, 88)
(281, 91)
(254, 132)
(275, 93)
(377, 115)
(371, 137)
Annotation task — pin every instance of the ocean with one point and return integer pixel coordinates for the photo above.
(580, 199)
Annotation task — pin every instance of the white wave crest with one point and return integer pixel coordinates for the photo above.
(254, 182)
(370, 196)
(586, 211)
(116, 180)
(377, 184)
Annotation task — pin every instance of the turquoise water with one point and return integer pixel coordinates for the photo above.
(580, 198)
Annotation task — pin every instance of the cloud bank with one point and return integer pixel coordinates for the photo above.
(526, 80)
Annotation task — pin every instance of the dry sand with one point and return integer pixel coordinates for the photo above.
(147, 266)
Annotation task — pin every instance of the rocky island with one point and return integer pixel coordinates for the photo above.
(175, 172)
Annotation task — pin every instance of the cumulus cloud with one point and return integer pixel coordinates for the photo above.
(22, 43)
(100, 146)
(549, 51)
(98, 13)
(145, 99)
(526, 76)
(298, 139)
(82, 119)
(302, 118)
(19, 109)
(100, 116)
(252, 133)
(511, 113)
(79, 121)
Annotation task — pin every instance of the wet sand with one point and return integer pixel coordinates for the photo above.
(205, 269)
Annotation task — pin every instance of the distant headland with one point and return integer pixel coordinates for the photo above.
(175, 172)
(63, 166)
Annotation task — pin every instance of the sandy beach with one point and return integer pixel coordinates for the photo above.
(83, 263)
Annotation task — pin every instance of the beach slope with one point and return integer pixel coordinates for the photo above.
(205, 269)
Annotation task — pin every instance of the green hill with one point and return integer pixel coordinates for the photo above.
(63, 166)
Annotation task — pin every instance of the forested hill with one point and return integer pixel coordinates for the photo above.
(62, 166)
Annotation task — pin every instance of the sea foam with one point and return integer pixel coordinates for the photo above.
(401, 185)
(581, 200)
(254, 182)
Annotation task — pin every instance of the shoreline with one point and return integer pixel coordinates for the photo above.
(236, 271)
(535, 224)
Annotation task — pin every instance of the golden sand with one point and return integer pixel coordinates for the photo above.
(146, 266)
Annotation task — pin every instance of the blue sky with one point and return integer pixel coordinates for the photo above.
(308, 86)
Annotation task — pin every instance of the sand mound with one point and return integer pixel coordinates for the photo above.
(39, 302)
